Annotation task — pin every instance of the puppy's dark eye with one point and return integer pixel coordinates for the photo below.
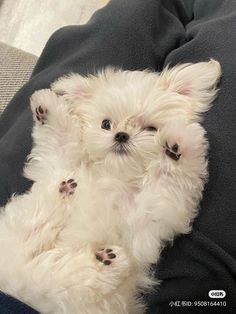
(106, 124)
(151, 129)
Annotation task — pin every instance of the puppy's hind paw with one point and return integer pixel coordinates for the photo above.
(112, 258)
(67, 187)
(113, 266)
(105, 256)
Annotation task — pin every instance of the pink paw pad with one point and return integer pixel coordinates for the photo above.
(68, 187)
(173, 151)
(41, 114)
(105, 256)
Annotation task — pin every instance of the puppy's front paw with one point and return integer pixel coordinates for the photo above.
(44, 105)
(67, 187)
(173, 151)
(41, 114)
(185, 143)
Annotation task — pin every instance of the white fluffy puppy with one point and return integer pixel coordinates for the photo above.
(119, 165)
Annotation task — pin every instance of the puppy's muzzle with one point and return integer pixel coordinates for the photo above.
(121, 137)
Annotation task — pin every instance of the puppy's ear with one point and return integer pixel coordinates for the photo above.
(197, 80)
(73, 87)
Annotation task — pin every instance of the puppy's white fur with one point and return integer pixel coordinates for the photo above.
(130, 202)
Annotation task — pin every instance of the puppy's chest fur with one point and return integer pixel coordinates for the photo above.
(100, 205)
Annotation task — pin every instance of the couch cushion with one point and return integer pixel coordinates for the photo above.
(15, 69)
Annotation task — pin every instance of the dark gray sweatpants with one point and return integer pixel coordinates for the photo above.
(139, 34)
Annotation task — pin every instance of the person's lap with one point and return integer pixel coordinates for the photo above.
(139, 34)
(206, 258)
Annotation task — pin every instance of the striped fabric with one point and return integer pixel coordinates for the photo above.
(15, 69)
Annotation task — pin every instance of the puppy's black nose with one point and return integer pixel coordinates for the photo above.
(121, 137)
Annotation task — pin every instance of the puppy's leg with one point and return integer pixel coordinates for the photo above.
(112, 265)
(48, 108)
(35, 219)
(108, 265)
(186, 144)
(56, 136)
(30, 225)
(169, 201)
(54, 124)
(78, 279)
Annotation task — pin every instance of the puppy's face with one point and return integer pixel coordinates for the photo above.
(120, 123)
(123, 112)
(115, 126)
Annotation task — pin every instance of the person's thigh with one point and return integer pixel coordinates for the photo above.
(134, 34)
(206, 259)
